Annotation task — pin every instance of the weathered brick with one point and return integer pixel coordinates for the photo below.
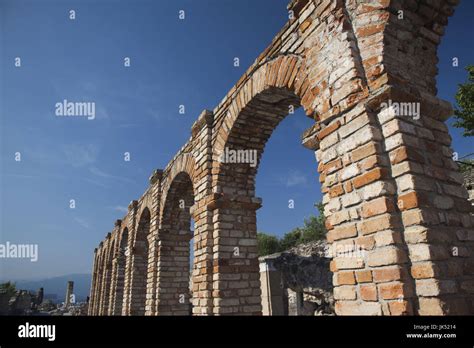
(385, 256)
(369, 177)
(364, 276)
(378, 223)
(342, 232)
(423, 270)
(377, 206)
(345, 278)
(368, 292)
(345, 292)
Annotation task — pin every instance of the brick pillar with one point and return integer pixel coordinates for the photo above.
(132, 211)
(100, 268)
(139, 262)
(113, 270)
(436, 215)
(236, 277)
(151, 290)
(119, 274)
(105, 287)
(202, 267)
(365, 231)
(202, 272)
(92, 294)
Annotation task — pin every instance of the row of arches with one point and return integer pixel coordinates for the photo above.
(390, 186)
(127, 263)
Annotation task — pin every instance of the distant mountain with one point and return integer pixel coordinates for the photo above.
(57, 286)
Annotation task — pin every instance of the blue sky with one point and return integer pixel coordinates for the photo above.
(173, 62)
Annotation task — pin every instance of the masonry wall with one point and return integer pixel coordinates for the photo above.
(400, 225)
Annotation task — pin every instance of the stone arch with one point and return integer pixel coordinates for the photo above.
(174, 237)
(100, 279)
(392, 193)
(118, 274)
(256, 110)
(108, 275)
(139, 263)
(183, 163)
(95, 291)
(274, 90)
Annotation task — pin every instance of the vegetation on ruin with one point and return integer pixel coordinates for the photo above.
(464, 112)
(313, 229)
(9, 288)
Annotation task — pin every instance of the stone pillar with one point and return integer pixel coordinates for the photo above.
(202, 272)
(92, 295)
(113, 265)
(106, 275)
(119, 274)
(152, 279)
(69, 293)
(97, 290)
(202, 268)
(236, 277)
(132, 211)
(273, 302)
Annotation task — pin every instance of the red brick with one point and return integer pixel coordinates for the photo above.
(377, 206)
(368, 292)
(364, 276)
(408, 201)
(342, 232)
(369, 177)
(392, 291)
(387, 274)
(336, 191)
(400, 308)
(345, 278)
(328, 130)
(422, 270)
(363, 152)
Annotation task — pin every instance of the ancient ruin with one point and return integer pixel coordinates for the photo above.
(365, 72)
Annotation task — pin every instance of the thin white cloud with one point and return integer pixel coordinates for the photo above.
(80, 155)
(120, 208)
(100, 173)
(296, 178)
(82, 222)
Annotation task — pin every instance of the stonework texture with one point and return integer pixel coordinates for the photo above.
(298, 281)
(393, 194)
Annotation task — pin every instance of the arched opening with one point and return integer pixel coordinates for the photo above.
(108, 280)
(174, 240)
(120, 274)
(140, 265)
(236, 277)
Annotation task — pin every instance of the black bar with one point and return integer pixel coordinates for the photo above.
(207, 331)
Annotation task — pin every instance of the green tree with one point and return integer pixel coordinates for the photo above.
(291, 239)
(314, 228)
(267, 244)
(9, 288)
(466, 165)
(464, 111)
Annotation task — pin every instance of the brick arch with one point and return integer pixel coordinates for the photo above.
(110, 252)
(139, 262)
(118, 270)
(184, 163)
(391, 191)
(97, 281)
(174, 236)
